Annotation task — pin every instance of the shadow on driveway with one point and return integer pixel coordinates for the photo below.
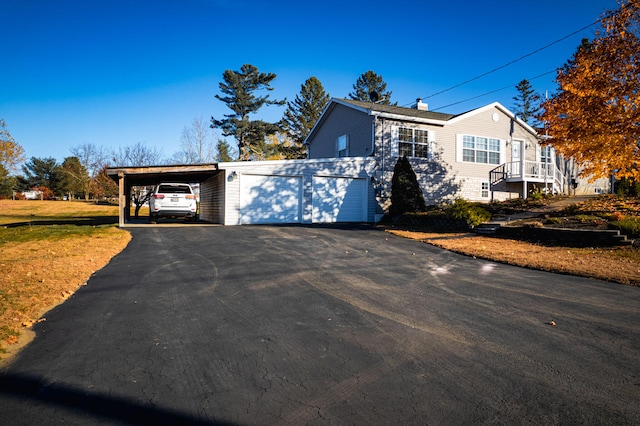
(326, 325)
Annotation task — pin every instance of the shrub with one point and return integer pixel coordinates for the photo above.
(629, 226)
(554, 220)
(406, 195)
(472, 214)
(617, 216)
(626, 186)
(586, 218)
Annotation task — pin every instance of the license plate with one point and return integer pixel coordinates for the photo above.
(175, 199)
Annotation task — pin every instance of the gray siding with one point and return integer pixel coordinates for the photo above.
(343, 121)
(444, 176)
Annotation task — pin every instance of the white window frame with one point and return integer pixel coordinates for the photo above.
(484, 189)
(414, 140)
(485, 146)
(342, 146)
(546, 154)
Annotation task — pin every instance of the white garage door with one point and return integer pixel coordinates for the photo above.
(337, 199)
(270, 199)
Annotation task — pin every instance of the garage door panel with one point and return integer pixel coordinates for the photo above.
(270, 199)
(339, 199)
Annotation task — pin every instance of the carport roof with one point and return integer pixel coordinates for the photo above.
(151, 175)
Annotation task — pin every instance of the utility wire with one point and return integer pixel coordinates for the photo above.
(517, 60)
(491, 92)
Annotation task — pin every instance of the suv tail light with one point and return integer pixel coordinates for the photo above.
(190, 197)
(158, 196)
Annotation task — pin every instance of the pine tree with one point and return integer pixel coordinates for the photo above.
(72, 177)
(366, 84)
(595, 114)
(41, 172)
(223, 150)
(302, 114)
(406, 195)
(527, 103)
(239, 89)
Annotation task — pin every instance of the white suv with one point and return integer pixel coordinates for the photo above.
(172, 200)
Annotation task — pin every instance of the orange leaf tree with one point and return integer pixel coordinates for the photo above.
(595, 115)
(11, 153)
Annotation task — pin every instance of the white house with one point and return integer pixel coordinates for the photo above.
(481, 155)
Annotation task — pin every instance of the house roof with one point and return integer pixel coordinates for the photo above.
(411, 114)
(395, 110)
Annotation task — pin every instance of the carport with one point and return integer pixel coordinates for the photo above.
(205, 174)
(267, 192)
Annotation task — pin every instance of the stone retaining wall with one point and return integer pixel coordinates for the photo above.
(565, 237)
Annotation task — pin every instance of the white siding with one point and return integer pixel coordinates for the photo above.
(269, 177)
(338, 199)
(270, 199)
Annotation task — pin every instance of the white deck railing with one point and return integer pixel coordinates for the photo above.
(533, 171)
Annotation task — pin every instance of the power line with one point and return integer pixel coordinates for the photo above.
(517, 60)
(491, 92)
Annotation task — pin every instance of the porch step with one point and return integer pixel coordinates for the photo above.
(622, 240)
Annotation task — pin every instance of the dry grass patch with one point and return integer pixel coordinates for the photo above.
(42, 265)
(621, 265)
(13, 211)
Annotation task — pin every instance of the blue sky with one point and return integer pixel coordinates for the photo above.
(117, 72)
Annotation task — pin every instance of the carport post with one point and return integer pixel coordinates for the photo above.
(121, 199)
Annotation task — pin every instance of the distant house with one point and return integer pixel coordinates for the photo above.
(481, 155)
(32, 195)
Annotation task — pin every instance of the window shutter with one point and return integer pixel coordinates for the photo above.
(432, 145)
(503, 151)
(394, 142)
(459, 148)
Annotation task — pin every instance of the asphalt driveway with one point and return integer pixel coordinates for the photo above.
(319, 325)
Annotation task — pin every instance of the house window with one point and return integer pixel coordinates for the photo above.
(545, 154)
(476, 149)
(485, 190)
(413, 142)
(343, 146)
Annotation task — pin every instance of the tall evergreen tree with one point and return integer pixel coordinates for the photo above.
(366, 84)
(238, 89)
(223, 151)
(41, 172)
(7, 183)
(73, 176)
(527, 103)
(303, 113)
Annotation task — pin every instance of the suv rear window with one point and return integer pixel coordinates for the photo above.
(174, 189)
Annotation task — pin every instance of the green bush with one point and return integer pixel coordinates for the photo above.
(629, 226)
(406, 195)
(626, 186)
(472, 214)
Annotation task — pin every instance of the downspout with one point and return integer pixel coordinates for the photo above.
(373, 135)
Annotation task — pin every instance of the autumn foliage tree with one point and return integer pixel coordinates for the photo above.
(594, 117)
(11, 153)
